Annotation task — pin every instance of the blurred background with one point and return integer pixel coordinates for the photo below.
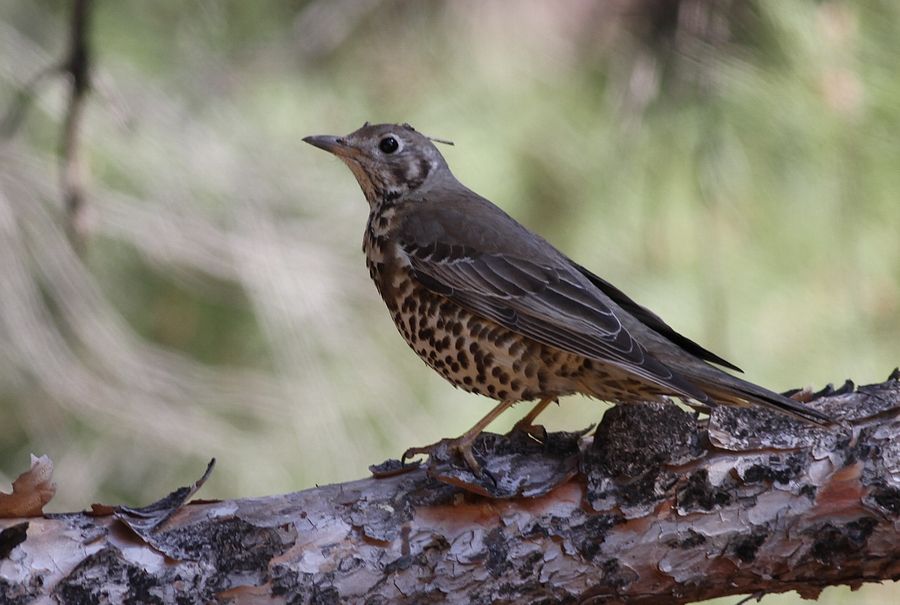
(733, 165)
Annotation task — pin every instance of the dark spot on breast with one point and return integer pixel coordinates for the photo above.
(456, 329)
(514, 385)
(496, 333)
(491, 389)
(502, 394)
(547, 356)
(467, 380)
(462, 359)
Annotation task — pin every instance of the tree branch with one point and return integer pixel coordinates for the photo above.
(78, 67)
(659, 508)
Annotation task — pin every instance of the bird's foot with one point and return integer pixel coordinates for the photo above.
(535, 431)
(526, 425)
(445, 448)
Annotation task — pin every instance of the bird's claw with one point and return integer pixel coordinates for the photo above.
(535, 431)
(459, 446)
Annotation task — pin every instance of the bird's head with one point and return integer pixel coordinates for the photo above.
(390, 161)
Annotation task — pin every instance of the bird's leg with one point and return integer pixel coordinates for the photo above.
(526, 424)
(462, 445)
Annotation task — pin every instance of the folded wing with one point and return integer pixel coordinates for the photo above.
(548, 303)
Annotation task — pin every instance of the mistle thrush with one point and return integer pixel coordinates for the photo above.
(498, 311)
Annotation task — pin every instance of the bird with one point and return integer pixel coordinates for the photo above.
(498, 311)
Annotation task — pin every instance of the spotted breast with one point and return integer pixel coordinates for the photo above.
(472, 352)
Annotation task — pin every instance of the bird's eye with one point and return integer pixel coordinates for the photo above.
(388, 145)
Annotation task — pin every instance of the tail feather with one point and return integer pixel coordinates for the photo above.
(729, 389)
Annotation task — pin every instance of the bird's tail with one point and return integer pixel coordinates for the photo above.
(730, 390)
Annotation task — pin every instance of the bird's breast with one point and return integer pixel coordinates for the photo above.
(471, 352)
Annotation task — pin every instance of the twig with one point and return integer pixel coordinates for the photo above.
(756, 596)
(78, 66)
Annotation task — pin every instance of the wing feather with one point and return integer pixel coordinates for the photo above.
(546, 303)
(653, 321)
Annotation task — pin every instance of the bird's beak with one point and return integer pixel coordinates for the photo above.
(330, 143)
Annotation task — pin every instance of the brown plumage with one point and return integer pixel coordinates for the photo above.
(498, 311)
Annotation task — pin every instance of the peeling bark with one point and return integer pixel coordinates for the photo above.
(659, 508)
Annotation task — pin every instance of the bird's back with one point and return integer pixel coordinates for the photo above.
(452, 223)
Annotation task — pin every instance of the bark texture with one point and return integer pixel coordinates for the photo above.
(658, 508)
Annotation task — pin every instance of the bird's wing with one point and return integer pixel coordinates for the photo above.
(654, 321)
(545, 302)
